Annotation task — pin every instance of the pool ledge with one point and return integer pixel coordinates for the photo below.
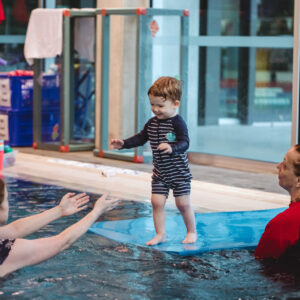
(135, 185)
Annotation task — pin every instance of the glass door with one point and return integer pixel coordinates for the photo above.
(245, 58)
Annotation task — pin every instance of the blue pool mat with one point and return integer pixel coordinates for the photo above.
(216, 231)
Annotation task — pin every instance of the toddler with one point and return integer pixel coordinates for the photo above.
(168, 136)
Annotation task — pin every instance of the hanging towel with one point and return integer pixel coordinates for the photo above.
(44, 34)
(2, 16)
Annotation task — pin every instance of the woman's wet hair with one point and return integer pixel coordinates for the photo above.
(297, 162)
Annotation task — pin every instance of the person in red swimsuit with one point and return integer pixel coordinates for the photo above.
(282, 233)
(17, 252)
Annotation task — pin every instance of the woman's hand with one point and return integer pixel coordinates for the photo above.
(116, 143)
(165, 148)
(103, 204)
(71, 203)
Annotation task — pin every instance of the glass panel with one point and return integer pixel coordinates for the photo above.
(162, 35)
(12, 58)
(228, 84)
(273, 92)
(75, 3)
(122, 79)
(82, 93)
(244, 94)
(230, 17)
(50, 105)
(16, 20)
(236, 126)
(166, 51)
(17, 14)
(223, 17)
(83, 112)
(245, 117)
(275, 17)
(166, 47)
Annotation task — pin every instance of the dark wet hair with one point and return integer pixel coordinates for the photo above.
(2, 190)
(296, 163)
(166, 87)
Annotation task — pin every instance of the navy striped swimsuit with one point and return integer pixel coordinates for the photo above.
(171, 171)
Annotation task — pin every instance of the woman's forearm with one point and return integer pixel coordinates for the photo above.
(72, 233)
(25, 226)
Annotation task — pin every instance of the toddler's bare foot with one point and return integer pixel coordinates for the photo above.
(190, 238)
(159, 238)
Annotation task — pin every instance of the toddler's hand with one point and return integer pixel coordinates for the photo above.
(116, 143)
(165, 148)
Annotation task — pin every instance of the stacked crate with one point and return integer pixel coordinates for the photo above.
(16, 97)
(16, 105)
(50, 108)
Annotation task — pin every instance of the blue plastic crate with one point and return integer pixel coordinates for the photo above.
(51, 91)
(5, 93)
(16, 126)
(16, 92)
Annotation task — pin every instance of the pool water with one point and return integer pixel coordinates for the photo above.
(98, 268)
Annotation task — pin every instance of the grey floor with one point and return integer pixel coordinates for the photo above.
(257, 181)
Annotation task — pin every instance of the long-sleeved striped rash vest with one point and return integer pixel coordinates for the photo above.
(170, 170)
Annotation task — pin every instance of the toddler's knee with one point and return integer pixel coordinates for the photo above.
(157, 204)
(183, 206)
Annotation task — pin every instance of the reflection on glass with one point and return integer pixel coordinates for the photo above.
(272, 17)
(228, 83)
(83, 112)
(75, 3)
(230, 17)
(275, 17)
(273, 93)
(17, 13)
(13, 57)
(16, 16)
(244, 115)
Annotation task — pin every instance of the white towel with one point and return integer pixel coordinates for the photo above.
(44, 35)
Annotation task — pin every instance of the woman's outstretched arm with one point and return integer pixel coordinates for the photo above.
(30, 252)
(68, 205)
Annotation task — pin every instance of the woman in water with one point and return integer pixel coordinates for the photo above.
(282, 233)
(17, 252)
